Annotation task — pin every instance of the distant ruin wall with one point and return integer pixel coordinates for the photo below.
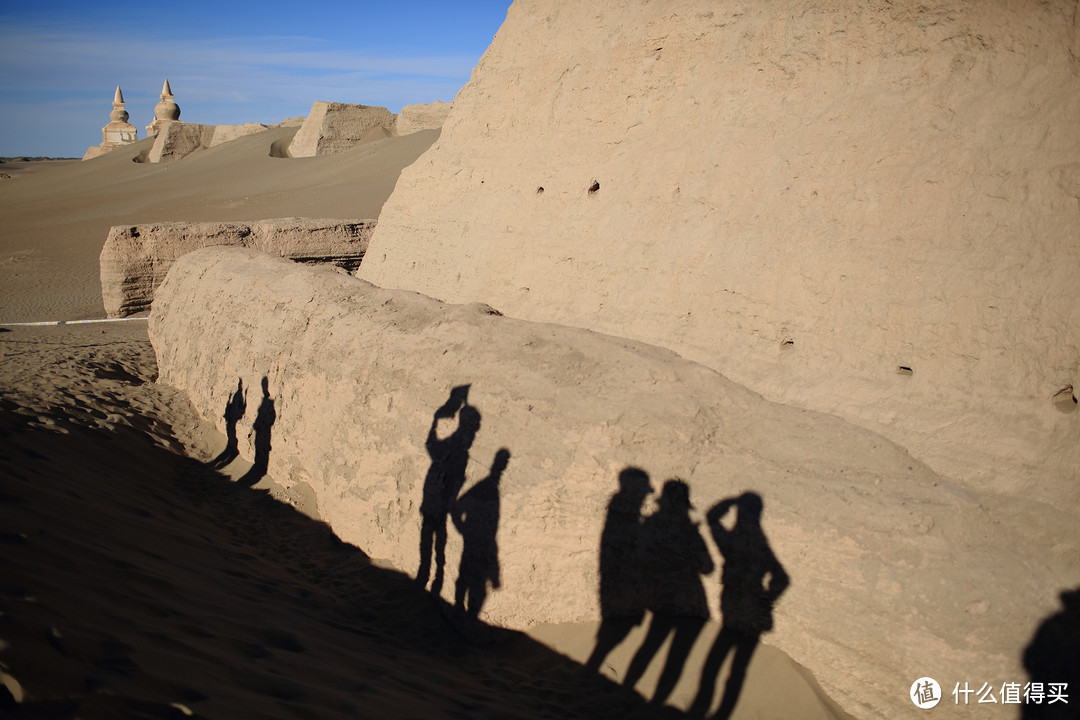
(179, 139)
(866, 209)
(135, 259)
(227, 133)
(336, 127)
(176, 140)
(426, 116)
(893, 570)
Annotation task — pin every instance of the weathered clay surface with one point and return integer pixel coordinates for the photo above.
(135, 259)
(426, 116)
(96, 151)
(333, 127)
(893, 569)
(178, 139)
(225, 133)
(859, 208)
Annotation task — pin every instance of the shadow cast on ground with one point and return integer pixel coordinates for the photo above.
(139, 583)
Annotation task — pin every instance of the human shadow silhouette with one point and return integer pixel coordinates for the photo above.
(621, 608)
(234, 411)
(265, 417)
(444, 480)
(476, 517)
(752, 580)
(673, 558)
(1053, 659)
(261, 607)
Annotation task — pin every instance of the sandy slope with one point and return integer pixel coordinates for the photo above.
(53, 223)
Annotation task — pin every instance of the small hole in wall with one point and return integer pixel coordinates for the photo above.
(1065, 399)
(787, 344)
(594, 187)
(904, 370)
(540, 190)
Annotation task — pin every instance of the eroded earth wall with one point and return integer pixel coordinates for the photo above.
(136, 258)
(893, 569)
(866, 209)
(336, 127)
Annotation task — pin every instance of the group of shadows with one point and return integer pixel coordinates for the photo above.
(651, 563)
(261, 428)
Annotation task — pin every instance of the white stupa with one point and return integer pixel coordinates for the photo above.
(118, 132)
(166, 111)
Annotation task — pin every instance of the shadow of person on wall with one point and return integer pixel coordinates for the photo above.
(1052, 660)
(673, 558)
(476, 517)
(444, 481)
(752, 580)
(621, 608)
(264, 421)
(234, 411)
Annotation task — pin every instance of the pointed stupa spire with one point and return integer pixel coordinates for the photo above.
(166, 111)
(118, 114)
(118, 132)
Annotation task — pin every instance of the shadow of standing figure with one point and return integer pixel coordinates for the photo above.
(234, 411)
(1052, 660)
(444, 481)
(673, 558)
(264, 421)
(621, 608)
(476, 517)
(752, 580)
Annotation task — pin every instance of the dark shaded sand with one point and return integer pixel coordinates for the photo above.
(170, 590)
(138, 583)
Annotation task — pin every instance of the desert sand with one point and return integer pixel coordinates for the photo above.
(141, 581)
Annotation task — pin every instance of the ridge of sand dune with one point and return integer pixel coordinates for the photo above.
(53, 223)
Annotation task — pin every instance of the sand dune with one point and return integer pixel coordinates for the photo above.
(55, 222)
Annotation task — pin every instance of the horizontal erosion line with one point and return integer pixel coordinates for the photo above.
(69, 322)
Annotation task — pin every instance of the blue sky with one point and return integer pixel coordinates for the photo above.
(227, 62)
